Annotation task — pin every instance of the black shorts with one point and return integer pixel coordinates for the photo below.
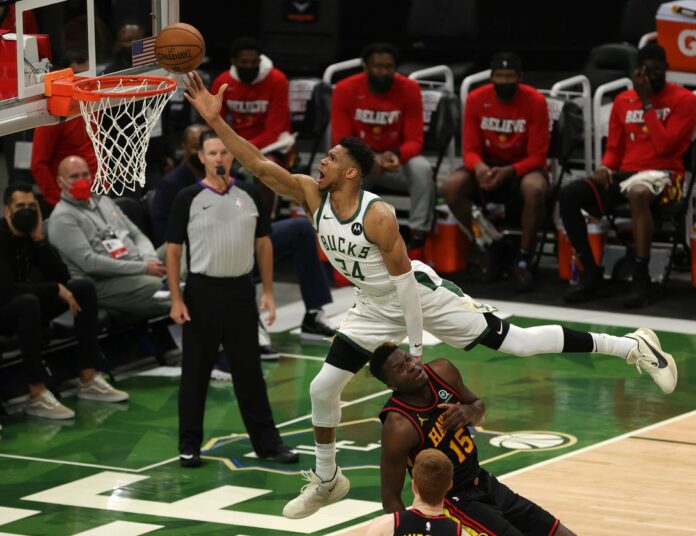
(490, 508)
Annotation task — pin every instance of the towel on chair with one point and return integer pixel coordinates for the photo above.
(654, 180)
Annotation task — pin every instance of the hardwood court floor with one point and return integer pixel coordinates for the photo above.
(113, 470)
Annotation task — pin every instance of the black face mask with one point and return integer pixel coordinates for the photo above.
(505, 92)
(247, 74)
(657, 83)
(196, 164)
(380, 83)
(25, 219)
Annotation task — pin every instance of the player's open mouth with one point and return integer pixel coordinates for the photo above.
(320, 177)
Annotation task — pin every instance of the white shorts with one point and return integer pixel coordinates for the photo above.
(449, 314)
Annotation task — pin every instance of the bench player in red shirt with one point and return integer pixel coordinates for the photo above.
(505, 141)
(256, 102)
(650, 128)
(385, 109)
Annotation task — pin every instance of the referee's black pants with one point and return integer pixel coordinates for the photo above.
(223, 310)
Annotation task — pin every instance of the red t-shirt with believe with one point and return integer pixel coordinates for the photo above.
(51, 145)
(656, 139)
(504, 133)
(258, 112)
(387, 122)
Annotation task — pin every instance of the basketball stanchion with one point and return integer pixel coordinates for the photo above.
(119, 113)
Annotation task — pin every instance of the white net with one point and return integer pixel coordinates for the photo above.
(120, 126)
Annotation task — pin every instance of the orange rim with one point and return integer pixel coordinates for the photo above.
(91, 89)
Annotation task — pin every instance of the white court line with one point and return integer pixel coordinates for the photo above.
(67, 462)
(598, 445)
(545, 312)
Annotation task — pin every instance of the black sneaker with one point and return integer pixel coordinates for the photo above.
(315, 327)
(640, 289)
(282, 454)
(189, 460)
(590, 282)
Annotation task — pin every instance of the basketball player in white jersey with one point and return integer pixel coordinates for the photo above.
(394, 296)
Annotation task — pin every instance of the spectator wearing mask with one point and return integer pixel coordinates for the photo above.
(98, 241)
(35, 287)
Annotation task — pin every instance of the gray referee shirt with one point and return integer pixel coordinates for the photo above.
(218, 228)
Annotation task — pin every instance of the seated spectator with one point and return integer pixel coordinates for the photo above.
(128, 31)
(35, 287)
(650, 128)
(53, 143)
(255, 103)
(505, 141)
(385, 109)
(293, 237)
(98, 241)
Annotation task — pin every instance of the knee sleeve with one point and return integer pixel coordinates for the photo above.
(534, 340)
(325, 392)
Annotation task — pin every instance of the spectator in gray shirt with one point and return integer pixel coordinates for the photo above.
(97, 240)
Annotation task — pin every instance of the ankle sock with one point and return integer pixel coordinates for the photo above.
(325, 460)
(611, 345)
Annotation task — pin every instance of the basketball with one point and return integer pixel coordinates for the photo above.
(179, 48)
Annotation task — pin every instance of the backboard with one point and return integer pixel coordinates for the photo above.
(95, 37)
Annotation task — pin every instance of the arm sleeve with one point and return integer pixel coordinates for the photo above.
(69, 239)
(407, 291)
(179, 218)
(413, 124)
(616, 142)
(42, 149)
(669, 138)
(278, 117)
(537, 139)
(341, 113)
(472, 138)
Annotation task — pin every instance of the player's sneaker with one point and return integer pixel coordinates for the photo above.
(99, 389)
(45, 405)
(316, 494)
(649, 356)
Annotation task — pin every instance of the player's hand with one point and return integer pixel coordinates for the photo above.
(379, 165)
(456, 416)
(498, 175)
(67, 296)
(37, 232)
(155, 268)
(391, 162)
(482, 173)
(641, 84)
(602, 177)
(268, 303)
(179, 312)
(206, 104)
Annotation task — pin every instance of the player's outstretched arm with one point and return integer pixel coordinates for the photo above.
(271, 174)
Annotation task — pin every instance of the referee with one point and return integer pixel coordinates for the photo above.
(223, 224)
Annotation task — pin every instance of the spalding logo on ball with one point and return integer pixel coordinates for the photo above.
(179, 48)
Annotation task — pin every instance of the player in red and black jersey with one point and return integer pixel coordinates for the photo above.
(432, 408)
(505, 140)
(650, 128)
(431, 480)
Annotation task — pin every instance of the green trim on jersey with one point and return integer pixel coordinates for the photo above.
(452, 287)
(352, 343)
(355, 214)
(320, 210)
(424, 279)
(372, 202)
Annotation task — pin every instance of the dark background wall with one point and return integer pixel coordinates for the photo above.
(549, 34)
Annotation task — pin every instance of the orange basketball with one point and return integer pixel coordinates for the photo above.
(179, 48)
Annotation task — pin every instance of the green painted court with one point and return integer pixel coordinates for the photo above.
(113, 470)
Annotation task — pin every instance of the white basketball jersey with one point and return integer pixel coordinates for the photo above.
(348, 249)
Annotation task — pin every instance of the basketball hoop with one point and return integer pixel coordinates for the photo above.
(120, 113)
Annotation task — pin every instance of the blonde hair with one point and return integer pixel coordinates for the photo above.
(432, 474)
